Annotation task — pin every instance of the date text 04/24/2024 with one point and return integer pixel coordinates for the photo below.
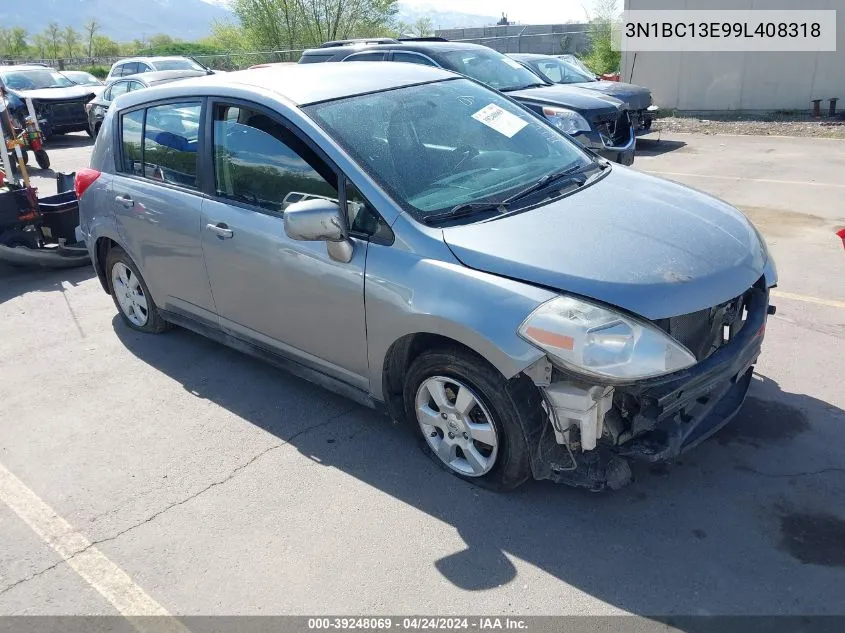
(417, 623)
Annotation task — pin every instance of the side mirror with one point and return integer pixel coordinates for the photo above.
(319, 220)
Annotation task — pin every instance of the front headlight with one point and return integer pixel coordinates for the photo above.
(566, 120)
(595, 341)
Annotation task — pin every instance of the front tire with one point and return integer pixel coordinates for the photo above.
(467, 418)
(131, 295)
(42, 158)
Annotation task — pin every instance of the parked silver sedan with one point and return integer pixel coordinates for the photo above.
(418, 242)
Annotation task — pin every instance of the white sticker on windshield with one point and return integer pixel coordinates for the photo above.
(500, 120)
(512, 63)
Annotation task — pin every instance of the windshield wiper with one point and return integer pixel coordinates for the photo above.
(546, 180)
(538, 84)
(466, 209)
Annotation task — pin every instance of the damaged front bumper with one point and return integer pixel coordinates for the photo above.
(597, 429)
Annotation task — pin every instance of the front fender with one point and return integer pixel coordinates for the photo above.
(408, 294)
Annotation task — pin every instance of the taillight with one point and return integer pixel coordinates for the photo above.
(84, 179)
(88, 107)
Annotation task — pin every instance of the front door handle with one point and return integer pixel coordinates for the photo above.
(125, 200)
(221, 230)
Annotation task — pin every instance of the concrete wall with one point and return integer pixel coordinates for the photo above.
(550, 39)
(739, 81)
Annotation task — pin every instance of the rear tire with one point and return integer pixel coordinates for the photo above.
(476, 432)
(131, 296)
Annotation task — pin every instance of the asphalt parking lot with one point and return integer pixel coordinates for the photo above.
(167, 472)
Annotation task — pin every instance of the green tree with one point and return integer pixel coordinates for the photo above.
(299, 23)
(18, 46)
(128, 49)
(41, 45)
(269, 24)
(602, 58)
(161, 40)
(104, 46)
(226, 36)
(71, 40)
(54, 40)
(5, 40)
(423, 27)
(91, 28)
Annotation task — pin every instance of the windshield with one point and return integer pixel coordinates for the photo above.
(561, 72)
(177, 64)
(82, 78)
(439, 145)
(491, 68)
(35, 79)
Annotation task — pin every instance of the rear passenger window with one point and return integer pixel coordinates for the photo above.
(365, 57)
(117, 89)
(132, 127)
(259, 161)
(412, 58)
(161, 143)
(171, 138)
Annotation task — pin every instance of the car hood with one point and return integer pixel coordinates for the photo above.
(637, 97)
(649, 246)
(57, 94)
(568, 96)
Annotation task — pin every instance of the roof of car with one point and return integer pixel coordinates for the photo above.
(162, 75)
(529, 56)
(158, 58)
(25, 67)
(422, 46)
(303, 84)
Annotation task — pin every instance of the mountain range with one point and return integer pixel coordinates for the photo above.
(125, 20)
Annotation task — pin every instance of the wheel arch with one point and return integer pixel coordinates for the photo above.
(100, 255)
(403, 351)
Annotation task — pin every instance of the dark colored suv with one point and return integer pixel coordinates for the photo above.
(599, 122)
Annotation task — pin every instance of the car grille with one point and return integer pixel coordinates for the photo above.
(615, 128)
(705, 331)
(65, 112)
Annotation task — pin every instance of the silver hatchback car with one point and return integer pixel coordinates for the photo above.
(419, 242)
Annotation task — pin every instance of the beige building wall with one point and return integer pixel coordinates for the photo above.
(701, 81)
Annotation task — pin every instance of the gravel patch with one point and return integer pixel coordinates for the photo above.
(768, 125)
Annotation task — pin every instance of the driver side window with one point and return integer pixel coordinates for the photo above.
(259, 161)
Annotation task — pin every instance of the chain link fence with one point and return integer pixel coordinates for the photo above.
(547, 39)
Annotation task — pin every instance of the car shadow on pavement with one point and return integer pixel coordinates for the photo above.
(721, 531)
(654, 147)
(63, 141)
(16, 281)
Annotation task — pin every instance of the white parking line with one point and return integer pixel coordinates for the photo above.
(831, 303)
(85, 559)
(743, 179)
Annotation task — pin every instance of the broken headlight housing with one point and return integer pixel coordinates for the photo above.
(601, 343)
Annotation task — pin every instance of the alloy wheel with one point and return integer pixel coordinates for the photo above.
(457, 426)
(126, 286)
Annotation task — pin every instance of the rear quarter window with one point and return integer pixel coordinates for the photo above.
(161, 143)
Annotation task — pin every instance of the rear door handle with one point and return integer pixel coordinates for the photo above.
(125, 200)
(221, 230)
